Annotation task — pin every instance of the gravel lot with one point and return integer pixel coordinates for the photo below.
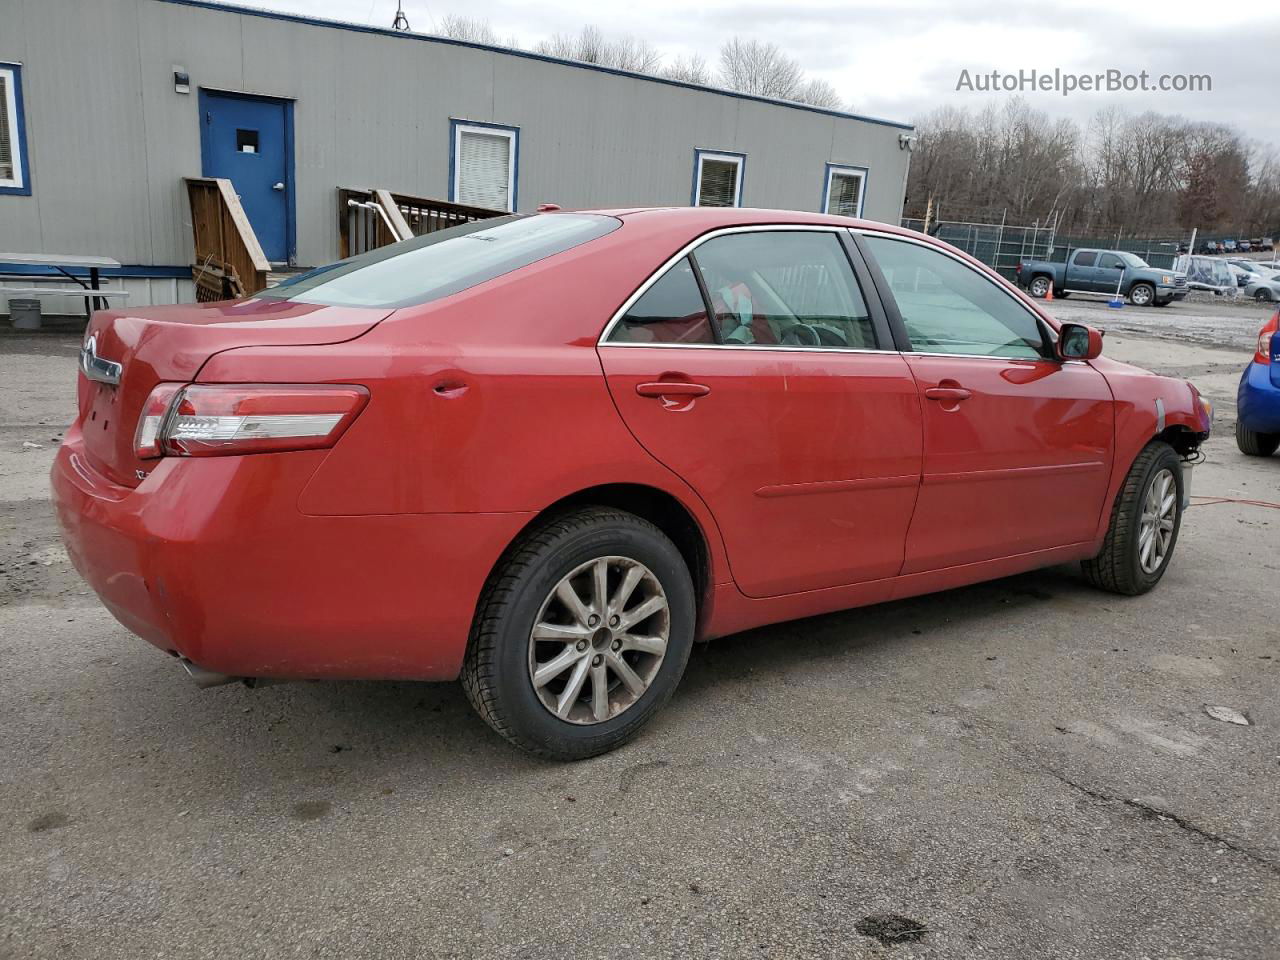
(1021, 769)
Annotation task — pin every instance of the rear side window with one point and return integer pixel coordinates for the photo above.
(670, 311)
(1086, 258)
(442, 263)
(785, 288)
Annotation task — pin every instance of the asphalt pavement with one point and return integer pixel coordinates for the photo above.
(1020, 769)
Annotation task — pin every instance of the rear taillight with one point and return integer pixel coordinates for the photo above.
(1263, 353)
(200, 420)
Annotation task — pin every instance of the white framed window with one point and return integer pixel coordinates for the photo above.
(717, 178)
(843, 190)
(484, 165)
(13, 143)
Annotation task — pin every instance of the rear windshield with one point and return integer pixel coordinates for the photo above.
(441, 263)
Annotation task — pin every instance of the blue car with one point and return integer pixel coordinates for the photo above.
(1258, 403)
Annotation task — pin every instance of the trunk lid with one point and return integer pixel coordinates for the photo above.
(171, 344)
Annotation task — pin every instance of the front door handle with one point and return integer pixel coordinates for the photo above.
(948, 394)
(278, 185)
(672, 388)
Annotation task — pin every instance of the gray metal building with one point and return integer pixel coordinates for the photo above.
(107, 105)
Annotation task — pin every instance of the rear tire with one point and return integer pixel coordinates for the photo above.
(1039, 286)
(1255, 444)
(1124, 564)
(502, 673)
(1262, 296)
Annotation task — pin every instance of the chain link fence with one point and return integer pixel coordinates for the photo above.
(1003, 246)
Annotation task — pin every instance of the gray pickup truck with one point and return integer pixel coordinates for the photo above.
(1104, 271)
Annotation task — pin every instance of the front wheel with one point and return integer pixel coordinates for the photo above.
(581, 635)
(1145, 521)
(1142, 294)
(1255, 444)
(1262, 296)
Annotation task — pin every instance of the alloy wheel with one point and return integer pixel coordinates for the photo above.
(599, 640)
(1155, 525)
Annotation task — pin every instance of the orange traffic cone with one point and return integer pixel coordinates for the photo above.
(1048, 294)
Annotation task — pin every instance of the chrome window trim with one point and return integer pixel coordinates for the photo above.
(603, 339)
(1003, 287)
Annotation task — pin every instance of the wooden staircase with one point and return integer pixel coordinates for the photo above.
(229, 262)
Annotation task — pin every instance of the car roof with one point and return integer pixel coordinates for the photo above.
(711, 218)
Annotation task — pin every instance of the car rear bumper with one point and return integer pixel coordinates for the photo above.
(210, 559)
(1258, 400)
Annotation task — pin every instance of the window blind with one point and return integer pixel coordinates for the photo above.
(6, 136)
(718, 183)
(845, 190)
(484, 170)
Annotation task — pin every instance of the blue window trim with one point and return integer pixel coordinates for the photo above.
(127, 271)
(20, 120)
(291, 208)
(699, 153)
(523, 54)
(833, 168)
(454, 124)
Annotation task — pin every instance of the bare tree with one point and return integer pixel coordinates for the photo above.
(690, 70)
(473, 30)
(591, 45)
(759, 67)
(819, 93)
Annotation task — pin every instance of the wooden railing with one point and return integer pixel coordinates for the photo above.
(229, 261)
(368, 219)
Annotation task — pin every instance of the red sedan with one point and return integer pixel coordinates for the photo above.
(546, 453)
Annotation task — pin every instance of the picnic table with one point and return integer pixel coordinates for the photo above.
(64, 263)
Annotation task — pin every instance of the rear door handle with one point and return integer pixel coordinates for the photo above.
(672, 388)
(948, 393)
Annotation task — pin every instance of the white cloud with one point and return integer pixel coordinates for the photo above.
(901, 59)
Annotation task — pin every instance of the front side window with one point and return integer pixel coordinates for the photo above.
(484, 166)
(1109, 261)
(843, 191)
(13, 161)
(717, 179)
(784, 288)
(670, 311)
(442, 263)
(948, 307)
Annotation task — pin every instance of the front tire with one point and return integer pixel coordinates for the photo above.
(1262, 296)
(1142, 294)
(1145, 521)
(581, 634)
(1255, 444)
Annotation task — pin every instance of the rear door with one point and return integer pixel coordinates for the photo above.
(754, 367)
(1017, 445)
(1082, 272)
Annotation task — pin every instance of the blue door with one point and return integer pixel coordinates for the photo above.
(249, 141)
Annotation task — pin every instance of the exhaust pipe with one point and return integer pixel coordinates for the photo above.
(205, 678)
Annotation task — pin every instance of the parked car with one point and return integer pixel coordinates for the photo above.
(547, 452)
(1263, 289)
(1229, 246)
(1208, 273)
(1258, 400)
(1266, 243)
(1103, 271)
(1239, 274)
(1244, 246)
(1257, 268)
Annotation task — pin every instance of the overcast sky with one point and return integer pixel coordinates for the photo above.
(899, 60)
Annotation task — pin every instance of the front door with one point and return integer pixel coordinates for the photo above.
(782, 410)
(247, 140)
(1017, 445)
